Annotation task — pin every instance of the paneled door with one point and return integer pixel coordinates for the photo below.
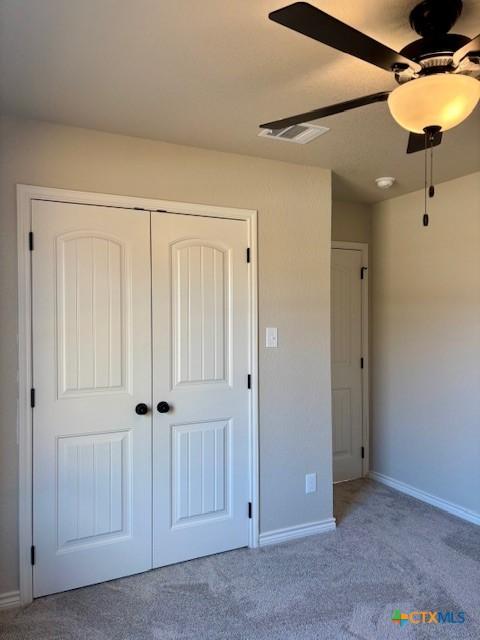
(201, 400)
(91, 368)
(346, 364)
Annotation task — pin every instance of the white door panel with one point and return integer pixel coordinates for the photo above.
(91, 366)
(200, 367)
(346, 371)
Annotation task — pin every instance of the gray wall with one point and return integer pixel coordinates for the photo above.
(351, 221)
(294, 204)
(426, 348)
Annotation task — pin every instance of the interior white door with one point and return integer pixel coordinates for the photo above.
(346, 364)
(91, 366)
(200, 367)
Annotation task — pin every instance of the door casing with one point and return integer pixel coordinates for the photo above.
(363, 248)
(25, 195)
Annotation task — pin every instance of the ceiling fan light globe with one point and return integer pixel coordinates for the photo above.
(443, 100)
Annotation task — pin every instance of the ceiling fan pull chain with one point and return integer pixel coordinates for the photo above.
(425, 215)
(431, 190)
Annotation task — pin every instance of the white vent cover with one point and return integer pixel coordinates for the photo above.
(299, 133)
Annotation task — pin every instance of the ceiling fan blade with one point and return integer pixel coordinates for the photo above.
(416, 141)
(327, 111)
(470, 47)
(316, 24)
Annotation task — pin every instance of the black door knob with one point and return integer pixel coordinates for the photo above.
(141, 409)
(163, 407)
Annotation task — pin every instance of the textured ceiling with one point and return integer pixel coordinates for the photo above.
(207, 73)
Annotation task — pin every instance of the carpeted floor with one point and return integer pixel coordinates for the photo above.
(389, 552)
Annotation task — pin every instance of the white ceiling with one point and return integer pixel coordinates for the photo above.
(207, 73)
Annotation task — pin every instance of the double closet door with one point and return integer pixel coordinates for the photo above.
(141, 419)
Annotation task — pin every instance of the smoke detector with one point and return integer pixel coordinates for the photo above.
(299, 133)
(385, 183)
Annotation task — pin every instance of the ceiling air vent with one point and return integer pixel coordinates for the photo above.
(299, 133)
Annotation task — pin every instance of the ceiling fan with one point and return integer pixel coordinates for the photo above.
(437, 74)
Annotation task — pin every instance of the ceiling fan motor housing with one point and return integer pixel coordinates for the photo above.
(431, 18)
(441, 46)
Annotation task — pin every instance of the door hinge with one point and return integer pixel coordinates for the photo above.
(32, 398)
(248, 254)
(363, 453)
(362, 362)
(249, 381)
(362, 272)
(32, 555)
(30, 240)
(250, 510)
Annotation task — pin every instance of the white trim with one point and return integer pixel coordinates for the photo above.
(131, 202)
(25, 195)
(299, 531)
(440, 503)
(254, 529)
(24, 411)
(363, 248)
(10, 599)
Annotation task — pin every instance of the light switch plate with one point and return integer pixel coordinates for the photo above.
(310, 482)
(271, 338)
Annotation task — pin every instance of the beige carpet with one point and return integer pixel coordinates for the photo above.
(389, 552)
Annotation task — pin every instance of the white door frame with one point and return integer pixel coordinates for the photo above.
(25, 195)
(363, 248)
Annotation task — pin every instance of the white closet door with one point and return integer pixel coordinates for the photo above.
(91, 367)
(200, 368)
(346, 368)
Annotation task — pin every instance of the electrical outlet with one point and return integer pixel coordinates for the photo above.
(310, 482)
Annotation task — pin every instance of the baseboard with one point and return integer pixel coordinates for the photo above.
(292, 533)
(10, 599)
(445, 505)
